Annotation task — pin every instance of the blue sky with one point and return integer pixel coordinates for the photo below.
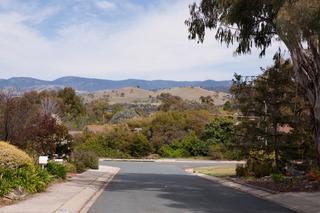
(112, 39)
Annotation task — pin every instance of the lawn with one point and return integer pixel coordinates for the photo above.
(218, 171)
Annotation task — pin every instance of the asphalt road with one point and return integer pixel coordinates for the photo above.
(149, 187)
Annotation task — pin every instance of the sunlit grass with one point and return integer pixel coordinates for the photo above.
(218, 171)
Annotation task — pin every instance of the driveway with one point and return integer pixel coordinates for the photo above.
(162, 187)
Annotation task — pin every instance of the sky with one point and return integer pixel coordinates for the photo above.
(112, 39)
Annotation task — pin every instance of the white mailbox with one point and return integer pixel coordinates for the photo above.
(43, 160)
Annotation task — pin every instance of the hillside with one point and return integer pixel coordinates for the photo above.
(138, 95)
(93, 85)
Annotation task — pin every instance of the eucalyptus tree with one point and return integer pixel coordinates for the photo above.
(257, 23)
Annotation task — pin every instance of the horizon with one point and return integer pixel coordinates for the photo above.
(93, 78)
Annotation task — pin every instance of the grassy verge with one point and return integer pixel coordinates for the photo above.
(218, 171)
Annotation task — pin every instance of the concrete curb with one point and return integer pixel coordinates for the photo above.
(82, 201)
(244, 188)
(90, 202)
(172, 161)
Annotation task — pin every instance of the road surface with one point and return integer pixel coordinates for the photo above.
(151, 187)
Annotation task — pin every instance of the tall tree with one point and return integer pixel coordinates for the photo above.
(256, 23)
(272, 113)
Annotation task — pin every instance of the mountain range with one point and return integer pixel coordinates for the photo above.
(91, 84)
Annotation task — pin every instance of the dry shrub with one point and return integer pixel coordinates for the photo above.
(11, 157)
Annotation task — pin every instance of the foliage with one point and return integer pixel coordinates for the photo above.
(277, 177)
(72, 103)
(172, 152)
(242, 170)
(268, 103)
(57, 170)
(70, 167)
(12, 157)
(167, 127)
(260, 163)
(47, 137)
(30, 179)
(124, 115)
(313, 175)
(83, 159)
(296, 23)
(140, 146)
(219, 130)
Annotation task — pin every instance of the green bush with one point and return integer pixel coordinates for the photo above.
(171, 152)
(11, 157)
(140, 146)
(57, 170)
(85, 159)
(277, 177)
(261, 163)
(30, 179)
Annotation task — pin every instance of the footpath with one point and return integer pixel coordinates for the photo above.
(77, 194)
(302, 202)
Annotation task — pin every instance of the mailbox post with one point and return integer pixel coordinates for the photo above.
(43, 160)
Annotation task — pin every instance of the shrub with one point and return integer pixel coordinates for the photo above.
(241, 171)
(261, 163)
(313, 175)
(70, 167)
(140, 146)
(85, 159)
(215, 152)
(57, 170)
(194, 146)
(28, 178)
(170, 152)
(277, 177)
(12, 157)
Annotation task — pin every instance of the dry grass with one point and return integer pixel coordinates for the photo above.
(218, 171)
(137, 95)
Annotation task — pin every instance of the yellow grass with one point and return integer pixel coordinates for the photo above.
(218, 171)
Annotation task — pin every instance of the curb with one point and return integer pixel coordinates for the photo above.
(81, 202)
(262, 194)
(91, 201)
(168, 160)
(127, 160)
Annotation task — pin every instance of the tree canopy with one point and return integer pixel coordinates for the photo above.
(257, 23)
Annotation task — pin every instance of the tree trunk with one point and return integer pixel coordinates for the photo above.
(317, 137)
(306, 64)
(276, 146)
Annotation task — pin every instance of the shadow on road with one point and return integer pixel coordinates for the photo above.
(184, 193)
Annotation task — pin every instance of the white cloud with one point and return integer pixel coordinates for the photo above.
(155, 46)
(106, 5)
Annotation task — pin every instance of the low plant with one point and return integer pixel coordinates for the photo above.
(313, 175)
(70, 167)
(57, 170)
(85, 159)
(28, 178)
(242, 170)
(277, 177)
(261, 163)
(12, 158)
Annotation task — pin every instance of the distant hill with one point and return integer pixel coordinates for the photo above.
(92, 84)
(130, 95)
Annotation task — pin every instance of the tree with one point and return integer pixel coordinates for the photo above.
(72, 102)
(47, 137)
(256, 23)
(273, 112)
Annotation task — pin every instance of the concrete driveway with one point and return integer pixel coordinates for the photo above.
(164, 187)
